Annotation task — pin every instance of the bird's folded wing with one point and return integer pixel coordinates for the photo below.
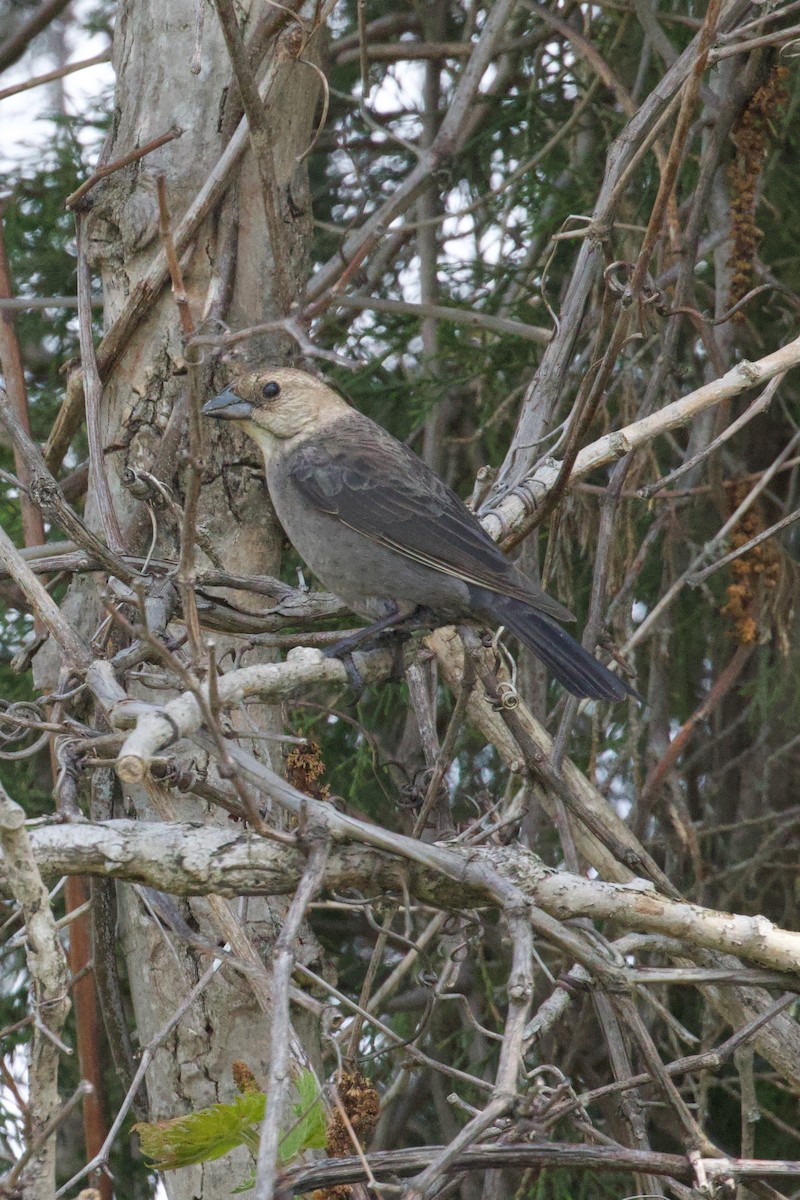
(390, 496)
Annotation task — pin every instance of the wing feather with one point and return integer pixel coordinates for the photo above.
(379, 488)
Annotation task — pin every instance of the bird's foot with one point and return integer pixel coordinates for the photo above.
(343, 650)
(362, 637)
(346, 645)
(393, 629)
(353, 677)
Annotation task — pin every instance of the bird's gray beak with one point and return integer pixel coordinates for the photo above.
(227, 406)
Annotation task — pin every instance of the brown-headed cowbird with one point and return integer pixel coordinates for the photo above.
(384, 533)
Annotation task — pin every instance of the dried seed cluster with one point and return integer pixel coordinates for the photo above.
(361, 1102)
(304, 766)
(758, 569)
(751, 137)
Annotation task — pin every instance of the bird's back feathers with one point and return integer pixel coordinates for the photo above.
(378, 487)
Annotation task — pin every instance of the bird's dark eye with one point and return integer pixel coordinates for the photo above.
(270, 390)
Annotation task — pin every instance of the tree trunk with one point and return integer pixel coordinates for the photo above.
(228, 271)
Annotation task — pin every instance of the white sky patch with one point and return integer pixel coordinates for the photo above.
(26, 119)
(488, 78)
(398, 89)
(490, 246)
(452, 777)
(408, 278)
(13, 1120)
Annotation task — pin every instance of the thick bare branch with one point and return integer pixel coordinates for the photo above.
(200, 859)
(400, 1163)
(513, 511)
(76, 653)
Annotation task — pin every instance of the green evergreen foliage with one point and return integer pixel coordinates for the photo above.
(518, 198)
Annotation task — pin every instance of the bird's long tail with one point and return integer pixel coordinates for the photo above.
(573, 666)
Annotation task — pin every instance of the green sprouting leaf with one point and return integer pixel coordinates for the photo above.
(204, 1135)
(247, 1186)
(212, 1132)
(309, 1131)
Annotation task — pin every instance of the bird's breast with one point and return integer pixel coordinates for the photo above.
(368, 576)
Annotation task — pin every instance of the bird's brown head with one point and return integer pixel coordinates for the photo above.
(276, 404)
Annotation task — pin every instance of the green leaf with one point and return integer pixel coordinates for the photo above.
(212, 1132)
(309, 1132)
(204, 1135)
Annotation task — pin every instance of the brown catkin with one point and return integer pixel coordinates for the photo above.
(243, 1077)
(754, 571)
(751, 137)
(361, 1102)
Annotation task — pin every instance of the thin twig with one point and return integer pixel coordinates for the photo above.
(59, 73)
(445, 754)
(49, 973)
(283, 964)
(784, 523)
(547, 387)
(407, 963)
(351, 1133)
(261, 140)
(186, 576)
(708, 1060)
(74, 650)
(442, 312)
(513, 512)
(17, 43)
(453, 129)
(520, 995)
(124, 161)
(53, 1125)
(778, 37)
(33, 303)
(47, 494)
(147, 1056)
(393, 1040)
(709, 549)
(758, 406)
(375, 959)
(694, 1138)
(174, 266)
(691, 93)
